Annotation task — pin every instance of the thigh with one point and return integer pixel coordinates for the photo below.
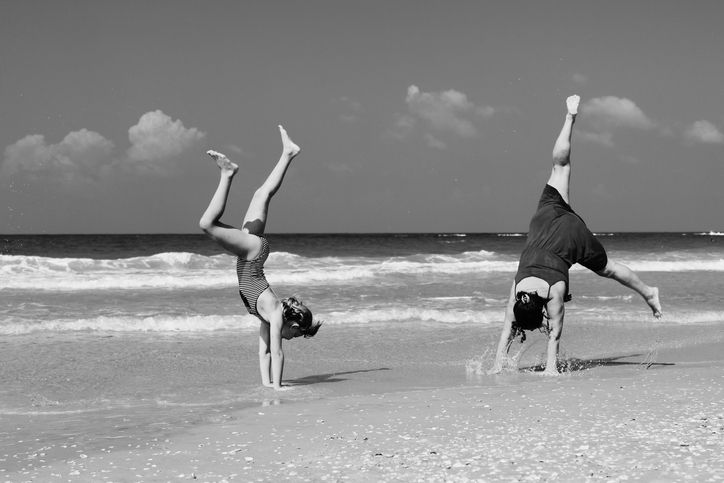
(255, 218)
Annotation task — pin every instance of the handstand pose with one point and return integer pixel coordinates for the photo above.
(558, 238)
(284, 319)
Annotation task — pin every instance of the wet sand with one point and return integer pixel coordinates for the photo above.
(610, 419)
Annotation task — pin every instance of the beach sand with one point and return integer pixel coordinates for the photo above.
(609, 419)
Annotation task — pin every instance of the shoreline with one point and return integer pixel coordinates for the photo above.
(616, 420)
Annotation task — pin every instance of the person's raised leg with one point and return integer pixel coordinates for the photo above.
(627, 277)
(561, 173)
(256, 214)
(227, 236)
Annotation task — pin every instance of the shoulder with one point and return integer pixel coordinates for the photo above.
(269, 306)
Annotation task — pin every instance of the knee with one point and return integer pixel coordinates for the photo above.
(560, 157)
(608, 271)
(205, 224)
(262, 195)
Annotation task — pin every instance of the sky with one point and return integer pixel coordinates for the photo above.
(412, 116)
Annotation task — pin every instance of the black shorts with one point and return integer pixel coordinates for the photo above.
(586, 248)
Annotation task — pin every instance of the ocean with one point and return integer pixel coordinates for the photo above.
(118, 340)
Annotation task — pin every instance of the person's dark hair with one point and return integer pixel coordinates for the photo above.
(528, 313)
(298, 313)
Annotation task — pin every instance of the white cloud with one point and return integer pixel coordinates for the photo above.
(610, 111)
(704, 132)
(157, 137)
(444, 111)
(434, 142)
(601, 116)
(86, 155)
(402, 126)
(438, 113)
(605, 139)
(81, 154)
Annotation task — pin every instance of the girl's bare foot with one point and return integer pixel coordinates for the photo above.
(654, 303)
(572, 104)
(288, 146)
(223, 162)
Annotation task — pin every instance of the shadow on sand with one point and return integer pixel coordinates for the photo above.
(573, 364)
(331, 377)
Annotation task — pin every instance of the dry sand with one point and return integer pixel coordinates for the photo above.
(615, 421)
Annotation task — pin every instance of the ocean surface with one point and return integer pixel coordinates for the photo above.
(116, 340)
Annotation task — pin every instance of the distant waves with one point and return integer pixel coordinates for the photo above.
(189, 270)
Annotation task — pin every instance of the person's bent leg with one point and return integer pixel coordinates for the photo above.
(627, 277)
(217, 205)
(227, 236)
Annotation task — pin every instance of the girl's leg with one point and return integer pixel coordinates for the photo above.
(256, 214)
(628, 278)
(232, 239)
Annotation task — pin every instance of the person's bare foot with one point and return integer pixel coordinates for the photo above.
(288, 146)
(654, 303)
(223, 162)
(572, 104)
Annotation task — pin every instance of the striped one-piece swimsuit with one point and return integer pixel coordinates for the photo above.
(251, 277)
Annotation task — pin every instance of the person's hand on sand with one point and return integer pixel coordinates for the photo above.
(572, 104)
(496, 369)
(551, 372)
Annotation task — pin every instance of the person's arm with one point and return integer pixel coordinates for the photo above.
(264, 355)
(506, 337)
(555, 310)
(275, 346)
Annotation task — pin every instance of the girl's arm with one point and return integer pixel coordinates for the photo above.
(506, 337)
(264, 355)
(276, 321)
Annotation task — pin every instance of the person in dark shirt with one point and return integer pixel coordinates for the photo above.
(558, 238)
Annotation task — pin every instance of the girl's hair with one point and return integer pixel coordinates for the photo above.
(528, 312)
(298, 313)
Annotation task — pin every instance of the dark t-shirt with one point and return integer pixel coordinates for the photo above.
(558, 238)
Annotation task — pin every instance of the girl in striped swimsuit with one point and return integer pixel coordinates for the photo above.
(285, 319)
